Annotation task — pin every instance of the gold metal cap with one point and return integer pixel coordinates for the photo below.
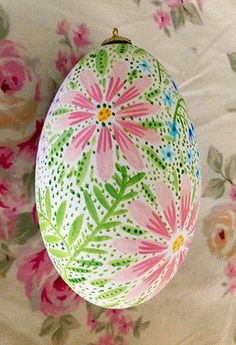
(116, 38)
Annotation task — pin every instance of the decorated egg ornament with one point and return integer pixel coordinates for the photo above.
(118, 177)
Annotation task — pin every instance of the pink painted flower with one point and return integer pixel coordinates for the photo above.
(113, 315)
(81, 36)
(125, 325)
(162, 19)
(173, 238)
(92, 322)
(233, 193)
(63, 27)
(173, 3)
(57, 298)
(109, 115)
(230, 271)
(6, 157)
(65, 62)
(105, 339)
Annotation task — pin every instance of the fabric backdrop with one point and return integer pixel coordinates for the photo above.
(40, 41)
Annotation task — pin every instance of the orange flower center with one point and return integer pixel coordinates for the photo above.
(178, 242)
(104, 114)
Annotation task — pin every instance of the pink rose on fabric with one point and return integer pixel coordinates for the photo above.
(63, 27)
(33, 267)
(65, 62)
(31, 144)
(92, 322)
(173, 3)
(81, 36)
(13, 73)
(162, 19)
(233, 193)
(105, 339)
(12, 203)
(57, 298)
(113, 315)
(125, 325)
(230, 270)
(6, 157)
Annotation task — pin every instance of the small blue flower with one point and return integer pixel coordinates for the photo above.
(167, 99)
(175, 86)
(167, 153)
(173, 131)
(189, 157)
(144, 65)
(191, 132)
(198, 172)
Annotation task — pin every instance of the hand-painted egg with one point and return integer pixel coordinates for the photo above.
(118, 177)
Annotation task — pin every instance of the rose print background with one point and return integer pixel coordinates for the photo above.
(196, 42)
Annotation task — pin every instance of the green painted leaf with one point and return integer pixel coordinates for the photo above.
(80, 270)
(230, 167)
(102, 61)
(177, 17)
(77, 280)
(140, 52)
(180, 110)
(148, 193)
(48, 325)
(152, 94)
(215, 159)
(95, 251)
(153, 156)
(232, 60)
(91, 208)
(4, 23)
(132, 75)
(175, 180)
(120, 212)
(100, 282)
(111, 190)
(120, 262)
(82, 168)
(75, 229)
(215, 188)
(48, 204)
(59, 145)
(122, 48)
(191, 14)
(58, 253)
(112, 293)
(133, 230)
(89, 263)
(101, 238)
(101, 198)
(60, 215)
(43, 224)
(110, 225)
(61, 111)
(130, 195)
(25, 228)
(117, 179)
(52, 239)
(138, 177)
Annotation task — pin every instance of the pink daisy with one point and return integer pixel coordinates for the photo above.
(92, 322)
(162, 19)
(109, 115)
(125, 325)
(165, 256)
(81, 36)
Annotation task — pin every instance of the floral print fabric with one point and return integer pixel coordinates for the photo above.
(198, 48)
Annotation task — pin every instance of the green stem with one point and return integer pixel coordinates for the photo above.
(69, 44)
(57, 233)
(97, 228)
(227, 179)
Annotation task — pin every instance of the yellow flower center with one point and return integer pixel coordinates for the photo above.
(104, 114)
(178, 242)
